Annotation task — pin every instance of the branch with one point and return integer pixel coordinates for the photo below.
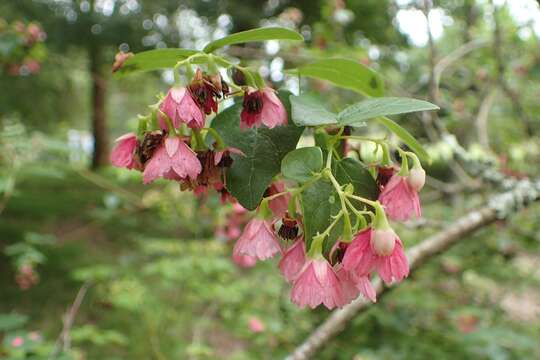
(483, 117)
(64, 341)
(499, 207)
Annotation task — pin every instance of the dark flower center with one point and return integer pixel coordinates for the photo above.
(253, 102)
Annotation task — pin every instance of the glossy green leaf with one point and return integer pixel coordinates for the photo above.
(260, 34)
(307, 110)
(301, 164)
(250, 175)
(382, 106)
(405, 136)
(153, 60)
(347, 74)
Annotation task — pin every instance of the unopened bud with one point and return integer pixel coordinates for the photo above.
(238, 77)
(383, 241)
(417, 178)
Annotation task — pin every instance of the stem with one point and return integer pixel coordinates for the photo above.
(362, 199)
(362, 138)
(404, 171)
(200, 141)
(341, 195)
(219, 140)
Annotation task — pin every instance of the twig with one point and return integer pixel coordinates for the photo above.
(499, 207)
(64, 341)
(106, 184)
(482, 118)
(455, 55)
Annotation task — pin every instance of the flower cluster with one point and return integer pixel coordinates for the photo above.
(172, 144)
(25, 57)
(339, 276)
(329, 255)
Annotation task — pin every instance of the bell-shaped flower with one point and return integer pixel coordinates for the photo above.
(400, 199)
(262, 107)
(123, 154)
(180, 107)
(258, 240)
(172, 160)
(380, 250)
(316, 284)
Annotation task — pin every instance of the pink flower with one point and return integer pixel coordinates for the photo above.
(262, 107)
(172, 160)
(180, 107)
(123, 153)
(244, 261)
(379, 250)
(316, 284)
(399, 199)
(256, 325)
(278, 205)
(293, 260)
(17, 341)
(258, 240)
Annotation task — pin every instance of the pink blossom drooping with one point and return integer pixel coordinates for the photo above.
(379, 250)
(262, 107)
(123, 153)
(316, 284)
(180, 107)
(258, 240)
(293, 260)
(172, 160)
(399, 199)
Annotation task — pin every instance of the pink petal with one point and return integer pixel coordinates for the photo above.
(171, 145)
(273, 112)
(400, 201)
(185, 163)
(157, 166)
(359, 257)
(122, 154)
(394, 267)
(258, 240)
(293, 260)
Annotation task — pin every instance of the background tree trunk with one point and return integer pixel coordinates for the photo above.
(100, 156)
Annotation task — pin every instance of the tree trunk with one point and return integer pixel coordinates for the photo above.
(100, 156)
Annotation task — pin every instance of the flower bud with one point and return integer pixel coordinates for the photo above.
(417, 178)
(383, 241)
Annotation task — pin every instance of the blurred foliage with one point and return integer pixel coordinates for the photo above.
(161, 286)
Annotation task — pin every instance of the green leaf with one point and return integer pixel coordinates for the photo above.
(307, 110)
(383, 106)
(260, 34)
(319, 203)
(405, 136)
(352, 171)
(347, 74)
(301, 164)
(250, 175)
(153, 60)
